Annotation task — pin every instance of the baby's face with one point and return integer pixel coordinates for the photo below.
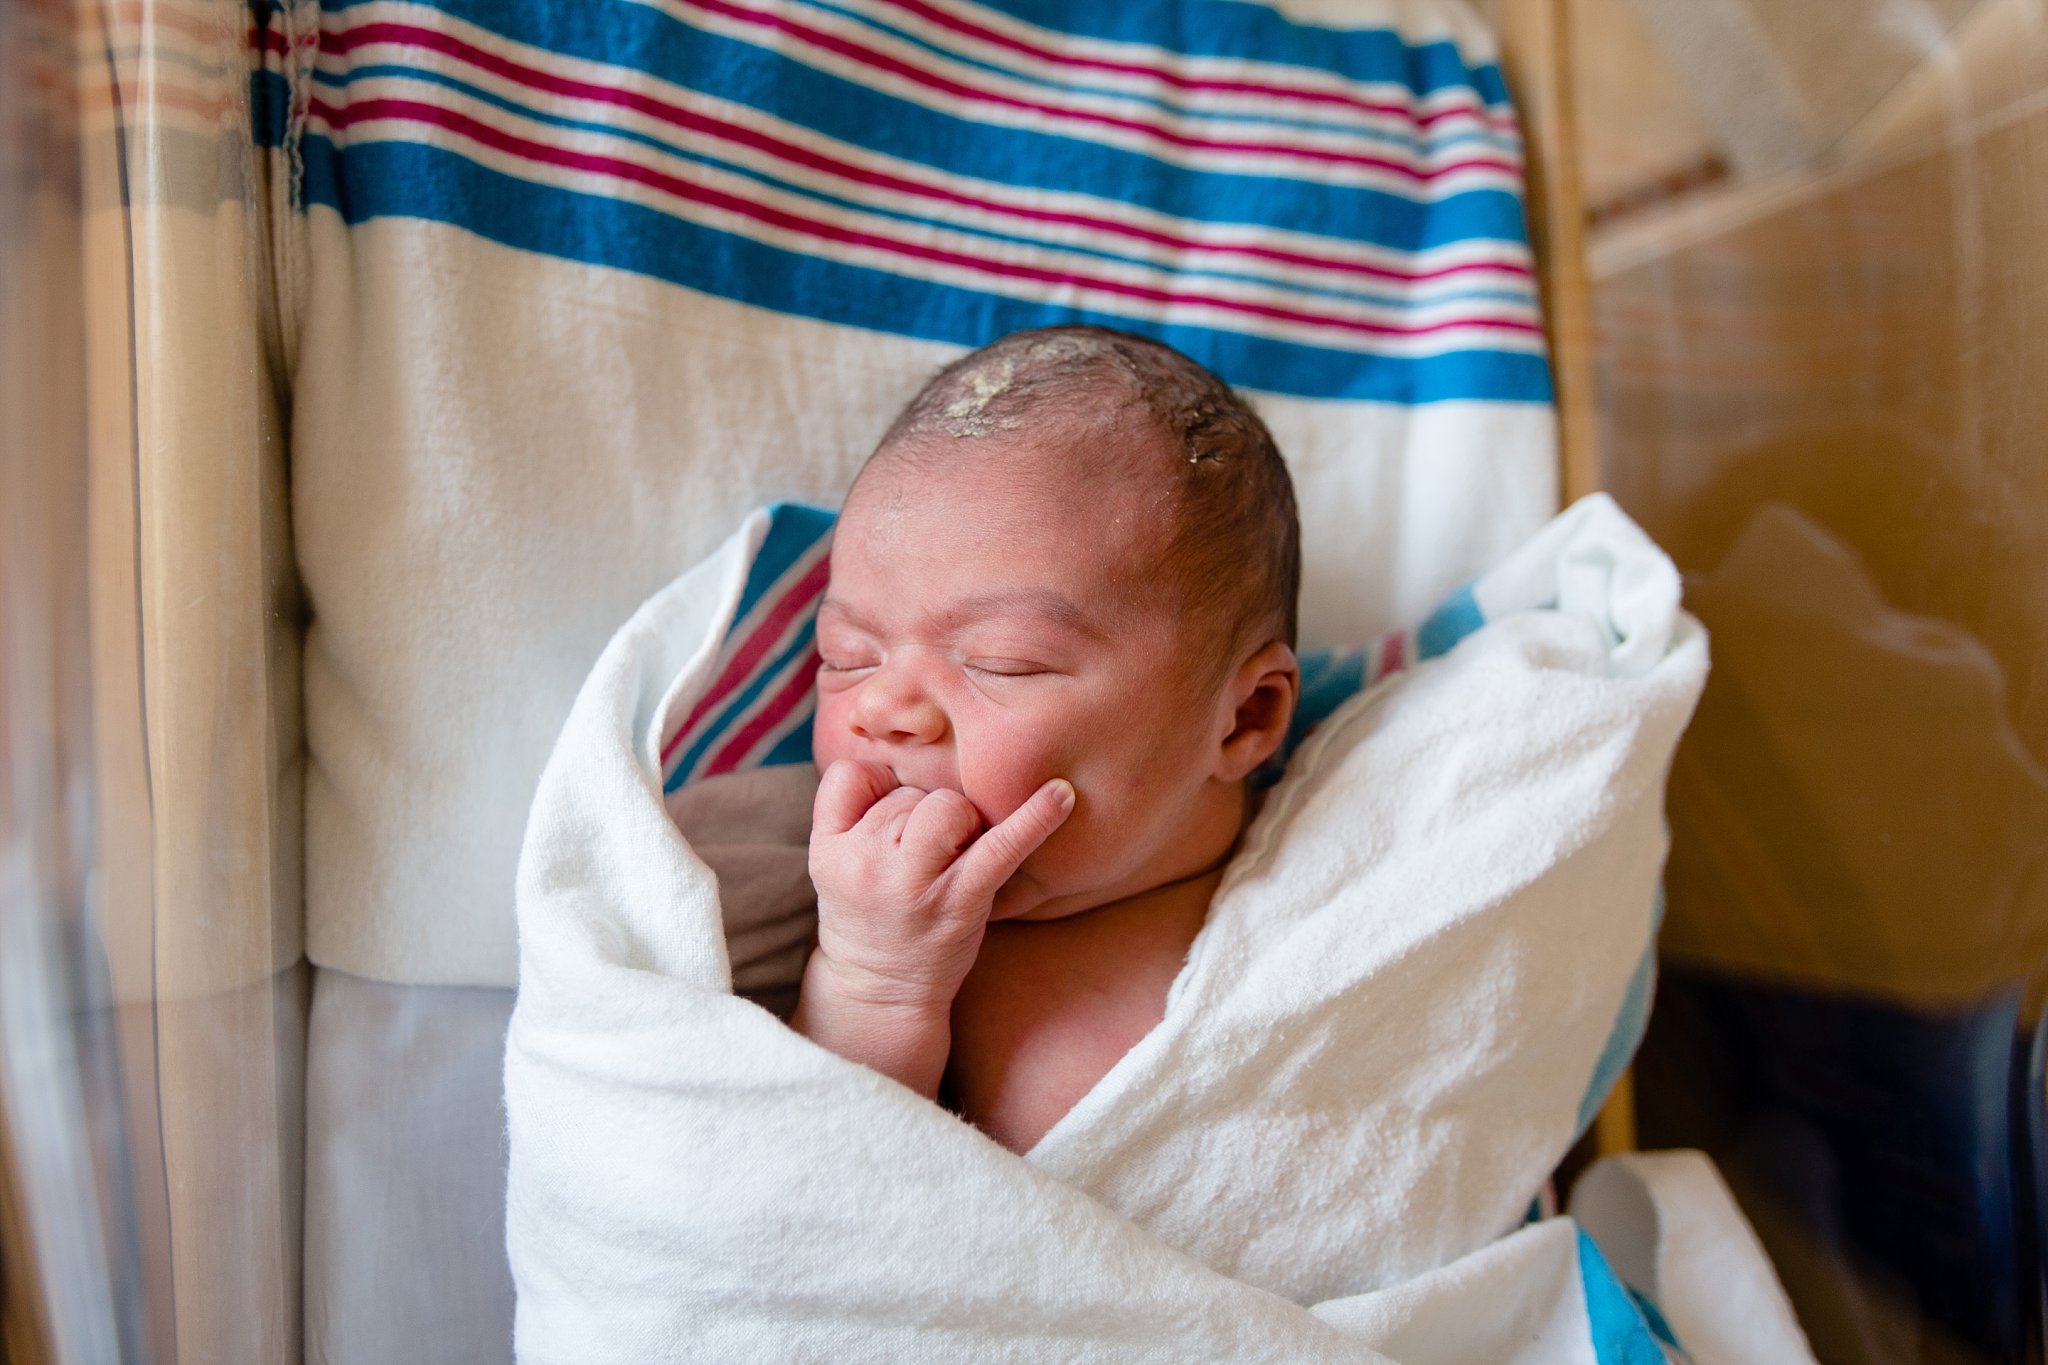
(994, 621)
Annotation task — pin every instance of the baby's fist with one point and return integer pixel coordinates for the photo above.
(904, 885)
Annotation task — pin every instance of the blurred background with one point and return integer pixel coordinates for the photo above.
(1818, 261)
(1820, 298)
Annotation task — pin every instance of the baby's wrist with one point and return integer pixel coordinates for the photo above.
(849, 986)
(905, 1037)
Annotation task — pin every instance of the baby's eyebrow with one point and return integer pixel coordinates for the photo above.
(1045, 601)
(839, 607)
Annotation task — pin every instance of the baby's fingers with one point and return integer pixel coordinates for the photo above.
(847, 791)
(943, 823)
(992, 859)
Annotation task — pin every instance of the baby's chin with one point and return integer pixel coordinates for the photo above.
(1043, 913)
(1026, 900)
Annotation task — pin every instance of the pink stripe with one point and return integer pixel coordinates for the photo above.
(880, 61)
(1168, 76)
(139, 19)
(932, 80)
(757, 644)
(271, 41)
(767, 718)
(1392, 652)
(408, 35)
(416, 112)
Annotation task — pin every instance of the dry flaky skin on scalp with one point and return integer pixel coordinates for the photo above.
(990, 375)
(1128, 406)
(985, 376)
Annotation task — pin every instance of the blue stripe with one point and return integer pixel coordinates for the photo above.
(641, 38)
(735, 708)
(1177, 107)
(1653, 1318)
(270, 107)
(794, 747)
(1329, 678)
(793, 528)
(1629, 1023)
(1523, 298)
(1196, 28)
(384, 179)
(1458, 617)
(1620, 1336)
(1226, 28)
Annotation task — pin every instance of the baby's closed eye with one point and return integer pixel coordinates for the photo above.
(841, 673)
(1008, 668)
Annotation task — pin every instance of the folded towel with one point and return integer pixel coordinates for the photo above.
(1411, 981)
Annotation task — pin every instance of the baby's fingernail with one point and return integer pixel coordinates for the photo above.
(1063, 793)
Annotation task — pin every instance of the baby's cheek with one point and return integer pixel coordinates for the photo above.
(1001, 772)
(1088, 843)
(831, 736)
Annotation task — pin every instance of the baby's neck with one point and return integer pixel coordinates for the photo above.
(1172, 900)
(1210, 840)
(1182, 901)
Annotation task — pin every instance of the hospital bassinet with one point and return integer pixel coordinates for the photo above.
(369, 486)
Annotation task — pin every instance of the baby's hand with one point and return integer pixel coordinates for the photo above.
(905, 887)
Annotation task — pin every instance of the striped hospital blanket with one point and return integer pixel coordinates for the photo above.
(566, 289)
(1330, 213)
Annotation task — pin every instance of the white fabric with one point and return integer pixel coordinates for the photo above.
(1517, 1299)
(496, 454)
(1374, 1055)
(1672, 1232)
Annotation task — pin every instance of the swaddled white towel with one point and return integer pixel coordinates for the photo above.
(1381, 1043)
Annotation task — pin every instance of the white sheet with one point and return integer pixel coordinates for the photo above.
(405, 1175)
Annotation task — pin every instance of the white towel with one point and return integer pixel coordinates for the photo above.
(1382, 1041)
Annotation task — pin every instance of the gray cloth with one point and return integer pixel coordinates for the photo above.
(405, 1175)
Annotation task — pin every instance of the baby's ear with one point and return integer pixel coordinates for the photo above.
(1263, 690)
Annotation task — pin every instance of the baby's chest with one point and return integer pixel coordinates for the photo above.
(1044, 1016)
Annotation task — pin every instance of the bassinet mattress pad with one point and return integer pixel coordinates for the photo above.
(1411, 988)
(567, 289)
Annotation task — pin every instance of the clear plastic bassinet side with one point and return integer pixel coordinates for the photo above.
(154, 994)
(1822, 319)
(65, 1274)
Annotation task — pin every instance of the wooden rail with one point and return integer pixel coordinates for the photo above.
(1536, 54)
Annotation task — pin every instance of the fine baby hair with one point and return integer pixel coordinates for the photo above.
(1235, 546)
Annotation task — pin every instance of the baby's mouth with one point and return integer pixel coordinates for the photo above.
(934, 782)
(922, 781)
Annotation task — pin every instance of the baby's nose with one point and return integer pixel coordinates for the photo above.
(893, 709)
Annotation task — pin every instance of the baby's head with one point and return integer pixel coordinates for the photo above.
(1074, 554)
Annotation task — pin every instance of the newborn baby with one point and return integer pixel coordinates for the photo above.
(1057, 640)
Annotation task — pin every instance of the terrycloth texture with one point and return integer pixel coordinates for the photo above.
(1675, 1238)
(568, 288)
(1379, 1046)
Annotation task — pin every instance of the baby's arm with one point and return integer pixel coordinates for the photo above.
(904, 893)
